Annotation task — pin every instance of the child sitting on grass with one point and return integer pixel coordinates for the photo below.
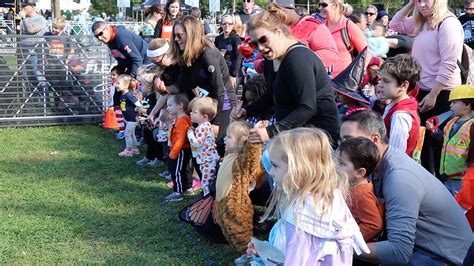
(358, 157)
(203, 140)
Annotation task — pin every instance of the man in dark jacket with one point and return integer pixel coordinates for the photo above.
(128, 48)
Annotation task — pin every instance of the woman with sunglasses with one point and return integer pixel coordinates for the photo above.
(164, 26)
(371, 12)
(202, 67)
(228, 43)
(437, 47)
(298, 87)
(349, 38)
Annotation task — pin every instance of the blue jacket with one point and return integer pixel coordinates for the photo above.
(129, 50)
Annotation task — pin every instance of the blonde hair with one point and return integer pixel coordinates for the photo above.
(312, 172)
(438, 11)
(205, 105)
(59, 22)
(238, 25)
(157, 43)
(195, 41)
(281, 13)
(146, 79)
(344, 8)
(131, 83)
(241, 130)
(267, 20)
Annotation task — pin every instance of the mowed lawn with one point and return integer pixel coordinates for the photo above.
(66, 197)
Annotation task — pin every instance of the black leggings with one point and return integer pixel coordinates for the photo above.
(154, 150)
(431, 153)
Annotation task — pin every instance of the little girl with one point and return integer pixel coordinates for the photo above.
(115, 96)
(202, 139)
(128, 105)
(239, 172)
(315, 225)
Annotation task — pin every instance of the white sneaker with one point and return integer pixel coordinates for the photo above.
(144, 161)
(175, 196)
(154, 163)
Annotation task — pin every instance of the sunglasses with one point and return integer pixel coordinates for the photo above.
(99, 34)
(262, 40)
(323, 5)
(227, 23)
(370, 14)
(247, 1)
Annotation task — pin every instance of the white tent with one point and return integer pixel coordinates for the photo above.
(64, 4)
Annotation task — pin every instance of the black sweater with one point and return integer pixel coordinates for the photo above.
(300, 93)
(209, 72)
(231, 47)
(129, 50)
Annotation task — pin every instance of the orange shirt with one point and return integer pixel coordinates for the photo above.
(364, 207)
(465, 196)
(178, 137)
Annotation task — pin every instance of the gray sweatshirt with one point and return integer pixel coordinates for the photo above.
(420, 213)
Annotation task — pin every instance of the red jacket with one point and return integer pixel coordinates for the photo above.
(410, 106)
(465, 196)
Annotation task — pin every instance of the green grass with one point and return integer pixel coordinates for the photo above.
(66, 197)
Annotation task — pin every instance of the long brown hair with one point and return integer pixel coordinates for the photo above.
(195, 44)
(167, 19)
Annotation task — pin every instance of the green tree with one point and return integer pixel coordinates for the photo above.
(107, 6)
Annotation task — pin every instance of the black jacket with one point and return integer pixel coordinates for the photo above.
(231, 47)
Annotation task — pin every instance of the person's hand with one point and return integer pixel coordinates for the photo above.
(215, 130)
(238, 113)
(430, 126)
(160, 86)
(262, 124)
(251, 250)
(258, 135)
(233, 81)
(427, 103)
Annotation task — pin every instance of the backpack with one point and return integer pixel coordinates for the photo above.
(465, 63)
(347, 41)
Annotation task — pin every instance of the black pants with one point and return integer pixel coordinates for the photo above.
(181, 172)
(431, 153)
(154, 150)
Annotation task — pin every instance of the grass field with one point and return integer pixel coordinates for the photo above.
(66, 197)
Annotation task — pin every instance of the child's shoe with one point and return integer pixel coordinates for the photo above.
(120, 135)
(125, 153)
(135, 151)
(144, 161)
(245, 259)
(175, 196)
(154, 163)
(189, 192)
(166, 175)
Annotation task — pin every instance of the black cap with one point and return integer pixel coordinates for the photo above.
(28, 3)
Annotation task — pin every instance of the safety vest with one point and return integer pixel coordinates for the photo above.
(454, 153)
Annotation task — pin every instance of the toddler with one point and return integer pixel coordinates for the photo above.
(115, 96)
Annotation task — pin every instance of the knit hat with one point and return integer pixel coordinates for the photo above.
(382, 13)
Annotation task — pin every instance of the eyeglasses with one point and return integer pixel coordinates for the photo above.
(323, 5)
(247, 1)
(262, 40)
(227, 23)
(158, 62)
(100, 33)
(179, 35)
(370, 14)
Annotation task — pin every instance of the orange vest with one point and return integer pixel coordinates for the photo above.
(166, 30)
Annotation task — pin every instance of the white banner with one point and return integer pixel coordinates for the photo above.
(123, 3)
(214, 5)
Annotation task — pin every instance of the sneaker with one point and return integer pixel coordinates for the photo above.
(120, 135)
(166, 175)
(144, 161)
(125, 153)
(135, 151)
(175, 196)
(243, 260)
(189, 192)
(154, 163)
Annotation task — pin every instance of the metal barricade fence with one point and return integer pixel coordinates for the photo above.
(52, 81)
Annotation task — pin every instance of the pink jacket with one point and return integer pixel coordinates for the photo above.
(357, 38)
(436, 51)
(317, 37)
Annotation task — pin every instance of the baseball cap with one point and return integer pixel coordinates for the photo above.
(286, 3)
(28, 3)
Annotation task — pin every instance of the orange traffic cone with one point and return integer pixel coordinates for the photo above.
(110, 121)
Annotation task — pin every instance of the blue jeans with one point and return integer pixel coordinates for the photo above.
(453, 185)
